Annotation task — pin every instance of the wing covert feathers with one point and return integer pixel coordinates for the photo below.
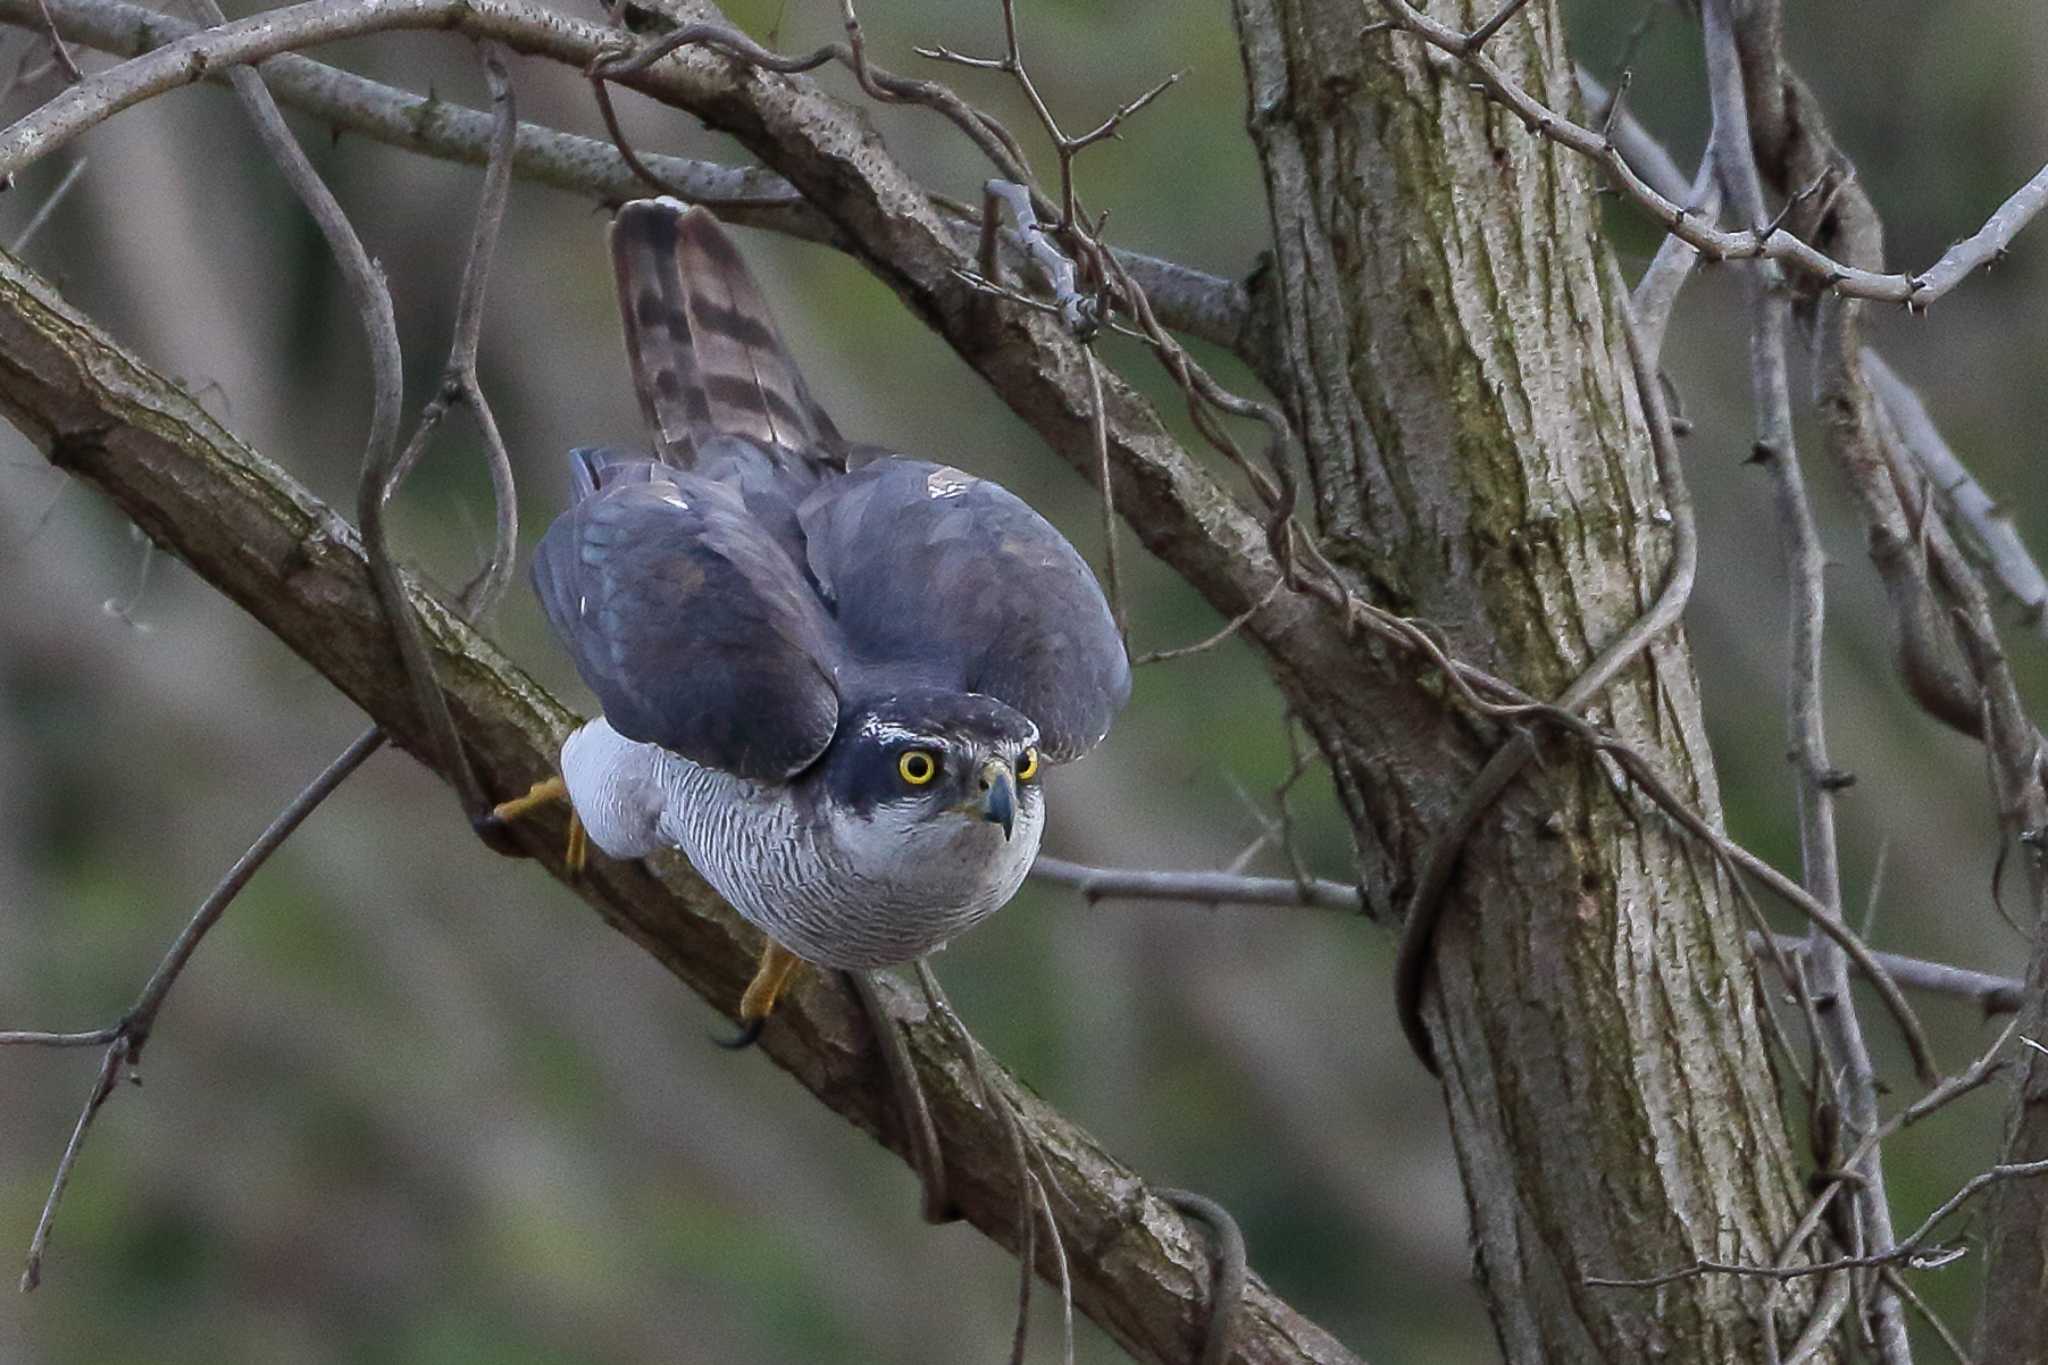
(719, 596)
(706, 356)
(693, 627)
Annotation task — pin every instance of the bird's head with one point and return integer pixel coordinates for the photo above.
(927, 755)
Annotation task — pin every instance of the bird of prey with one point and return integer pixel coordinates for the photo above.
(833, 676)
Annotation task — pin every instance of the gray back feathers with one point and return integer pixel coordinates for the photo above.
(739, 597)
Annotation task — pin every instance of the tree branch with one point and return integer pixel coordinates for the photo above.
(298, 568)
(1766, 240)
(1991, 993)
(1200, 888)
(1191, 301)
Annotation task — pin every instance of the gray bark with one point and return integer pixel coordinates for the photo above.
(1478, 458)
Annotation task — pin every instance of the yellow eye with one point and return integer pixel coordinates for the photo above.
(1027, 765)
(917, 766)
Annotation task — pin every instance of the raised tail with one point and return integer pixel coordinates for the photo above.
(707, 358)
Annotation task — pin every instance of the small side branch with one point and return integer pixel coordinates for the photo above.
(1989, 992)
(1911, 1252)
(1760, 240)
(128, 1038)
(1988, 523)
(1195, 888)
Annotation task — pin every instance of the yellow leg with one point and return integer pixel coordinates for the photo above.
(579, 845)
(778, 964)
(542, 793)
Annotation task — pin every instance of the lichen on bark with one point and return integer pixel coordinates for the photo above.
(1445, 343)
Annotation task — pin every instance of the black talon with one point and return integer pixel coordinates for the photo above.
(498, 835)
(749, 1034)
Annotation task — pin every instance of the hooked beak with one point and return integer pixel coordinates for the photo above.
(999, 794)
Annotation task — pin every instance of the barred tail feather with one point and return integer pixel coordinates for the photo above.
(707, 358)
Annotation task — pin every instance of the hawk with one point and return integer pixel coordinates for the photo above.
(831, 675)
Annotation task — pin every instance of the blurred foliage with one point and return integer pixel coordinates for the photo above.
(414, 1104)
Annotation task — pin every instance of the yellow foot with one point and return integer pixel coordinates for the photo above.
(543, 793)
(538, 795)
(778, 964)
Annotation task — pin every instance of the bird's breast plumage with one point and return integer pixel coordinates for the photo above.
(838, 888)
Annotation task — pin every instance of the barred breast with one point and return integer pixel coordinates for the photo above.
(838, 890)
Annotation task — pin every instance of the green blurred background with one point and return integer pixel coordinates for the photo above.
(414, 1103)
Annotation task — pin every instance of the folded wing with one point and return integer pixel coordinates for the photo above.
(952, 578)
(695, 629)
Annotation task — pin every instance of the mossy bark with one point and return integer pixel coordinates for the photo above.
(1444, 343)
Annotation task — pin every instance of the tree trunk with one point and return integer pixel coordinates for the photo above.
(1445, 345)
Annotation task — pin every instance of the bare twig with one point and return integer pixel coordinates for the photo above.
(59, 53)
(1637, 144)
(102, 1089)
(1915, 291)
(912, 1110)
(1065, 147)
(1112, 560)
(1907, 1251)
(1817, 781)
(47, 207)
(129, 1037)
(1656, 293)
(1989, 992)
(1963, 497)
(1905, 1291)
(1479, 37)
(1196, 888)
(1987, 244)
(1230, 628)
(1059, 1255)
(37, 1038)
(459, 383)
